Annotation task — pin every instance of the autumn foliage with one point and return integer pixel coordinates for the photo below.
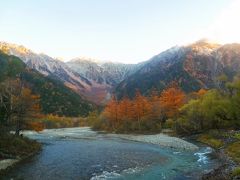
(36, 126)
(142, 113)
(171, 100)
(172, 110)
(18, 105)
(198, 94)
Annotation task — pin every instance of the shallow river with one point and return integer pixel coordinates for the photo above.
(79, 153)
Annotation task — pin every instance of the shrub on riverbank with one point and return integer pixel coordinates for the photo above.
(210, 140)
(13, 146)
(237, 136)
(53, 121)
(233, 150)
(226, 140)
(143, 127)
(236, 172)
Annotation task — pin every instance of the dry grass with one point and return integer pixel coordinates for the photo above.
(210, 140)
(17, 146)
(233, 150)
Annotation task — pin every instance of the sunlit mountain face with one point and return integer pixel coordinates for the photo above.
(94, 81)
(193, 66)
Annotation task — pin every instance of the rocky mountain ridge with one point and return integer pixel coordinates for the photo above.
(194, 66)
(92, 80)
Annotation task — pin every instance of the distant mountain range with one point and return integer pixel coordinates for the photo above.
(103, 73)
(91, 80)
(194, 66)
(104, 77)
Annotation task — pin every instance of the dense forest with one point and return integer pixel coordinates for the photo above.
(172, 108)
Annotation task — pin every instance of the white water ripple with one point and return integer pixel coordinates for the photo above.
(203, 156)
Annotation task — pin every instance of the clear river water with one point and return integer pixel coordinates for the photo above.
(80, 153)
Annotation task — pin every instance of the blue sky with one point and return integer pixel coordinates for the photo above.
(117, 30)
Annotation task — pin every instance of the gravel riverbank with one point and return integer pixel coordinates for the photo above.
(86, 132)
(160, 139)
(6, 163)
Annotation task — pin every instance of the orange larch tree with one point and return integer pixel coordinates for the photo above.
(125, 109)
(171, 100)
(198, 94)
(201, 92)
(26, 107)
(154, 101)
(111, 112)
(141, 107)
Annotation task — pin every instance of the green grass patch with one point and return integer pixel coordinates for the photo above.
(17, 146)
(237, 136)
(210, 140)
(236, 172)
(233, 150)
